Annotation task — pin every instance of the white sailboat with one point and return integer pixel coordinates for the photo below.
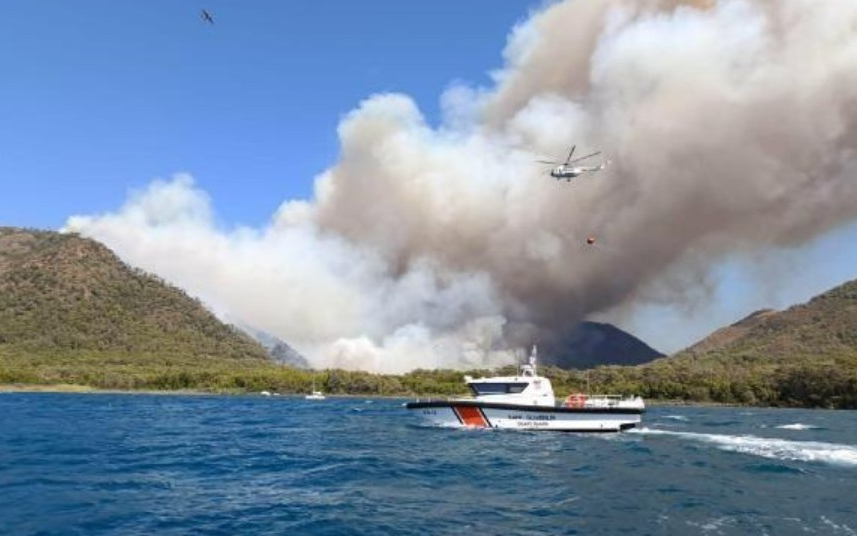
(316, 395)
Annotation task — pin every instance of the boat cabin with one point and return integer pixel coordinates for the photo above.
(526, 388)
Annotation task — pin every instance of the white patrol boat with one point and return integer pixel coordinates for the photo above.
(526, 402)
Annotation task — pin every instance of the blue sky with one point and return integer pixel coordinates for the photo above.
(101, 97)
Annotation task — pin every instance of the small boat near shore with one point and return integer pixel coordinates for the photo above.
(527, 402)
(315, 395)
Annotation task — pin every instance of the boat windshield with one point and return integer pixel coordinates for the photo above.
(497, 388)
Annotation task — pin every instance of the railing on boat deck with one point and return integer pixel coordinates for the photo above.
(609, 401)
(597, 401)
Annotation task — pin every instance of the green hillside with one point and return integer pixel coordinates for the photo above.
(803, 356)
(825, 328)
(72, 313)
(70, 309)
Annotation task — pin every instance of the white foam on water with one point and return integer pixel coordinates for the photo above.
(773, 448)
(573, 498)
(797, 426)
(838, 529)
(676, 417)
(714, 524)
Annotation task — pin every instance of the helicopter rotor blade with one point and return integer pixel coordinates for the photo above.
(570, 153)
(547, 162)
(584, 157)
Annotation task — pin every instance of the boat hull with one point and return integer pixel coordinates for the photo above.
(477, 414)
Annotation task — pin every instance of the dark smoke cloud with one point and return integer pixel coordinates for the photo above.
(731, 127)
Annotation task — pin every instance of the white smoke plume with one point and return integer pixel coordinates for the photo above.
(731, 126)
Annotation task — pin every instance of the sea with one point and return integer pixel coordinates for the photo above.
(128, 464)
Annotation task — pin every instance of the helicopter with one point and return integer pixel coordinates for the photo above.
(567, 171)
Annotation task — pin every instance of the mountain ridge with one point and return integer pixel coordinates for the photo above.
(71, 312)
(591, 344)
(65, 298)
(826, 324)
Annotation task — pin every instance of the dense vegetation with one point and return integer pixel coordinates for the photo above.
(803, 356)
(67, 302)
(795, 386)
(72, 313)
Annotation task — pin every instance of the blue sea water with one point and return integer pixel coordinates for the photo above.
(143, 464)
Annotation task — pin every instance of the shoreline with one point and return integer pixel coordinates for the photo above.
(69, 388)
(73, 388)
(66, 388)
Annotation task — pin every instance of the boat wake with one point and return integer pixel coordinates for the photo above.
(797, 426)
(772, 448)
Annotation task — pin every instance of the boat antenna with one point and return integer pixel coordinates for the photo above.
(533, 357)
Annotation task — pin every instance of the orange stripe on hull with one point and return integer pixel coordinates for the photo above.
(471, 416)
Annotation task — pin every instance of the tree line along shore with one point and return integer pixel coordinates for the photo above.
(787, 386)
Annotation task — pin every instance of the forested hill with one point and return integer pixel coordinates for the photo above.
(66, 301)
(72, 312)
(823, 328)
(805, 355)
